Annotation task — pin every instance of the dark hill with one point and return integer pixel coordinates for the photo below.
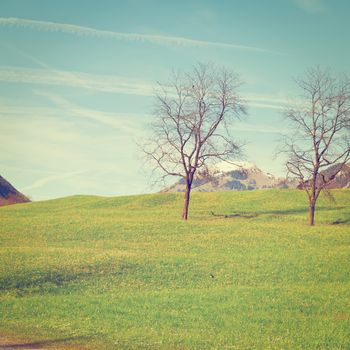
(342, 177)
(9, 195)
(338, 174)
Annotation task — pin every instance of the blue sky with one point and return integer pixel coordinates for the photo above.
(77, 79)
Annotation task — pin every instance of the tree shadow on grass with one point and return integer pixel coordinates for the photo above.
(42, 344)
(345, 221)
(235, 215)
(295, 211)
(277, 212)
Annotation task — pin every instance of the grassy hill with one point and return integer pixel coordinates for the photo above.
(127, 273)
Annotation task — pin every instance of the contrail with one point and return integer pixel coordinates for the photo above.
(92, 32)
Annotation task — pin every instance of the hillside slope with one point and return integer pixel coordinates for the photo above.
(9, 195)
(126, 273)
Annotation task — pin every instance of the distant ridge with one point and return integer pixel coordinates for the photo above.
(338, 176)
(247, 176)
(9, 195)
(229, 177)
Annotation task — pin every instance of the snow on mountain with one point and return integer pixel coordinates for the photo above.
(224, 167)
(237, 176)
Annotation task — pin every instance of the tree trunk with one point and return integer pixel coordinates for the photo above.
(186, 204)
(312, 214)
(187, 199)
(313, 197)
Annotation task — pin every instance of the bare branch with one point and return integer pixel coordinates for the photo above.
(320, 126)
(193, 114)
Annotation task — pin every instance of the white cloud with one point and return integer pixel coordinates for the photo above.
(103, 83)
(123, 122)
(266, 101)
(259, 128)
(45, 180)
(92, 32)
(311, 5)
(54, 152)
(265, 105)
(113, 84)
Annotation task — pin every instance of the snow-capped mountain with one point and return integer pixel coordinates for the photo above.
(237, 176)
(338, 176)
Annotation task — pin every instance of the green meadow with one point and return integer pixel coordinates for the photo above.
(88, 272)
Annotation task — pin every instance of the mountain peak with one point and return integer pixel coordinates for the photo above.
(232, 166)
(9, 195)
(226, 176)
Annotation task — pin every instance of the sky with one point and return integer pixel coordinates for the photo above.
(78, 78)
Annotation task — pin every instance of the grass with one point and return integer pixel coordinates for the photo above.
(127, 273)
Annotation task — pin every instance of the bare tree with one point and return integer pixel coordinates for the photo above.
(319, 133)
(191, 127)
